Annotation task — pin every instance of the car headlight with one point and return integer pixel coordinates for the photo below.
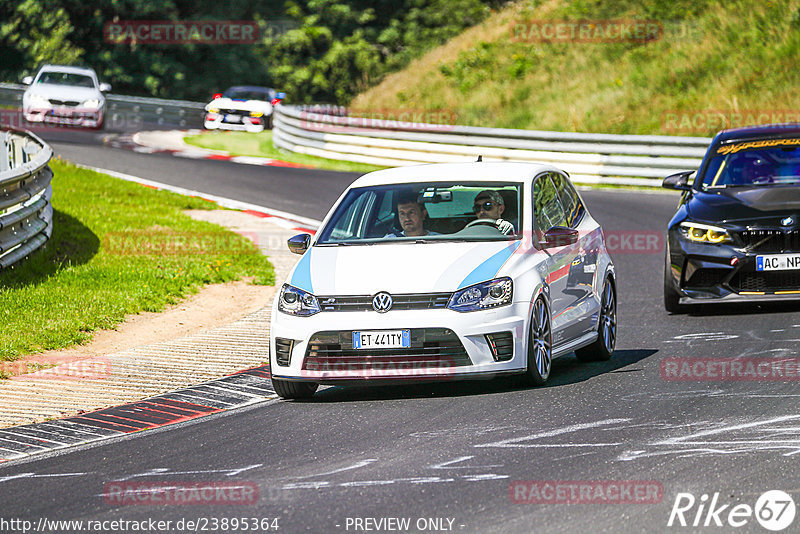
(704, 233)
(92, 103)
(491, 294)
(38, 100)
(256, 113)
(295, 301)
(213, 110)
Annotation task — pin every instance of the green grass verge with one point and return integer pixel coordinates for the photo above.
(261, 145)
(714, 65)
(117, 248)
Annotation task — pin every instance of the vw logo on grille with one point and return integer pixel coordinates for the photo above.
(382, 302)
(788, 221)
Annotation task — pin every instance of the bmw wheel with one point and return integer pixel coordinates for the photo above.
(603, 347)
(287, 389)
(540, 345)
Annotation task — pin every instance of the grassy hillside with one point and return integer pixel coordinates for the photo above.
(712, 65)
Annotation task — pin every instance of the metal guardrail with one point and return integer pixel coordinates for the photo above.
(123, 113)
(588, 158)
(26, 215)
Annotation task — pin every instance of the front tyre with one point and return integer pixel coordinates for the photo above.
(287, 389)
(540, 345)
(603, 347)
(671, 297)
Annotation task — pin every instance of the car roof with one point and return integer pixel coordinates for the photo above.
(766, 131)
(68, 68)
(501, 172)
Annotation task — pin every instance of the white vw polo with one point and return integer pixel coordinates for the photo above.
(445, 271)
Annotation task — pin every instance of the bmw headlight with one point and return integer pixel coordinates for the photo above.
(704, 233)
(483, 296)
(295, 301)
(38, 100)
(92, 103)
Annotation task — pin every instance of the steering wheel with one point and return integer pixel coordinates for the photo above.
(482, 222)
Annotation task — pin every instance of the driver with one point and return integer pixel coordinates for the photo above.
(412, 217)
(489, 204)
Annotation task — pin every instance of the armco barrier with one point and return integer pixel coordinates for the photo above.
(588, 158)
(26, 215)
(124, 113)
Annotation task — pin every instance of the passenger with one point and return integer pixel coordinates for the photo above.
(489, 204)
(412, 217)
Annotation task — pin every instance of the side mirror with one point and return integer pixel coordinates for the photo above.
(559, 236)
(679, 181)
(299, 243)
(105, 88)
(27, 80)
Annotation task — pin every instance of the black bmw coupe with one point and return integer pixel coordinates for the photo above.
(736, 234)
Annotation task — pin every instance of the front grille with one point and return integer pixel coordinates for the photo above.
(283, 351)
(502, 345)
(72, 103)
(234, 112)
(767, 281)
(771, 240)
(430, 348)
(707, 278)
(421, 301)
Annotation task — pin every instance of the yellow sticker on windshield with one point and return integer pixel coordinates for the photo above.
(732, 149)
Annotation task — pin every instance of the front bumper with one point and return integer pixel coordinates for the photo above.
(65, 116)
(243, 123)
(708, 273)
(470, 329)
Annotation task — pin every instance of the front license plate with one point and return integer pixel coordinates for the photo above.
(233, 118)
(778, 262)
(382, 339)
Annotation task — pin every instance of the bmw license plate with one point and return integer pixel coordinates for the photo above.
(778, 262)
(382, 339)
(232, 118)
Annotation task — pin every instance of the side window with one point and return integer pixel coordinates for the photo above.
(570, 201)
(547, 210)
(352, 223)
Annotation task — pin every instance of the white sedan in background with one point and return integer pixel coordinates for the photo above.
(246, 107)
(445, 271)
(65, 95)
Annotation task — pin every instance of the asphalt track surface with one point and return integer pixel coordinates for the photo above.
(452, 450)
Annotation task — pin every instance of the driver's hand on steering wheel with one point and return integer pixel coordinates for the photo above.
(504, 226)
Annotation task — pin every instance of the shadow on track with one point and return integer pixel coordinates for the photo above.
(754, 308)
(566, 370)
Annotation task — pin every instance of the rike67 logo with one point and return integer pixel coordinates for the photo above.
(774, 510)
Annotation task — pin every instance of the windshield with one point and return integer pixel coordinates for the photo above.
(249, 94)
(435, 211)
(754, 163)
(66, 78)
